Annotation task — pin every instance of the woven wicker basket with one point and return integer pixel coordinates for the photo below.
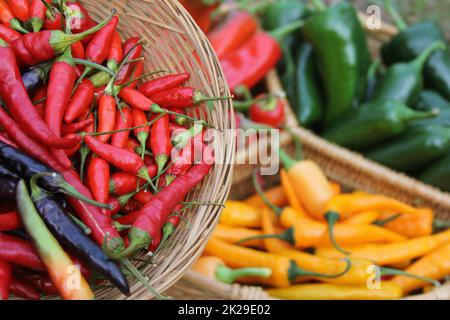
(175, 43)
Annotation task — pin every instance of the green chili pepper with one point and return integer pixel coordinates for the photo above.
(307, 99)
(404, 81)
(410, 42)
(342, 56)
(372, 79)
(429, 99)
(415, 149)
(373, 122)
(438, 174)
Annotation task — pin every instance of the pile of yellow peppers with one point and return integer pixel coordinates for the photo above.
(306, 240)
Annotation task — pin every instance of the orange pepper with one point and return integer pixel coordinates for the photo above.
(276, 195)
(234, 234)
(240, 214)
(413, 224)
(294, 201)
(366, 217)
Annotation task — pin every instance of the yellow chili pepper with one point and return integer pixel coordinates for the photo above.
(284, 270)
(388, 254)
(294, 201)
(435, 265)
(276, 195)
(309, 183)
(412, 225)
(215, 268)
(240, 214)
(365, 217)
(234, 234)
(323, 291)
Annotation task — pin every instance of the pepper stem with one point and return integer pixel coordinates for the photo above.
(287, 236)
(278, 211)
(15, 24)
(182, 139)
(295, 271)
(142, 138)
(229, 276)
(395, 272)
(382, 223)
(332, 218)
(282, 32)
(243, 106)
(244, 91)
(286, 160)
(200, 97)
(420, 61)
(139, 239)
(79, 223)
(84, 152)
(441, 224)
(393, 12)
(93, 65)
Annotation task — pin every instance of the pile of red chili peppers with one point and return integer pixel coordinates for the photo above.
(98, 160)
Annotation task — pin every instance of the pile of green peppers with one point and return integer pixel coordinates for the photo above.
(395, 109)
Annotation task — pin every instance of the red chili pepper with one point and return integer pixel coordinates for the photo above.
(125, 73)
(71, 152)
(152, 87)
(76, 126)
(137, 100)
(40, 94)
(45, 45)
(143, 197)
(10, 221)
(182, 97)
(20, 9)
(20, 252)
(5, 280)
(81, 101)
(31, 147)
(249, 64)
(54, 21)
(8, 18)
(172, 222)
(115, 54)
(98, 49)
(23, 289)
(98, 173)
(78, 50)
(136, 74)
(155, 213)
(100, 224)
(7, 34)
(133, 145)
(122, 159)
(81, 19)
(237, 28)
(122, 183)
(15, 96)
(160, 141)
(37, 14)
(40, 282)
(142, 134)
(270, 112)
(182, 160)
(124, 121)
(106, 115)
(4, 137)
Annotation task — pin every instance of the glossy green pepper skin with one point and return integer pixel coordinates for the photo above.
(438, 174)
(410, 43)
(404, 81)
(307, 99)
(373, 122)
(429, 99)
(281, 13)
(415, 149)
(342, 56)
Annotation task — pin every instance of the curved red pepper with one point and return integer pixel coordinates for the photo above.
(182, 97)
(270, 112)
(7, 34)
(136, 74)
(81, 101)
(122, 183)
(125, 73)
(8, 18)
(137, 100)
(10, 221)
(76, 126)
(98, 173)
(160, 141)
(20, 9)
(237, 28)
(5, 279)
(123, 121)
(142, 134)
(15, 96)
(122, 159)
(106, 116)
(152, 87)
(37, 14)
(98, 49)
(115, 54)
(55, 21)
(20, 252)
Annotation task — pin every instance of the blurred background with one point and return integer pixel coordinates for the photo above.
(413, 10)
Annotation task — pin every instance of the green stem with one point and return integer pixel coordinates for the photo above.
(441, 224)
(287, 236)
(295, 271)
(393, 12)
(93, 65)
(286, 160)
(80, 224)
(382, 223)
(282, 32)
(395, 272)
(244, 91)
(181, 140)
(373, 69)
(84, 152)
(243, 106)
(278, 211)
(229, 276)
(420, 61)
(16, 25)
(332, 218)
(299, 154)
